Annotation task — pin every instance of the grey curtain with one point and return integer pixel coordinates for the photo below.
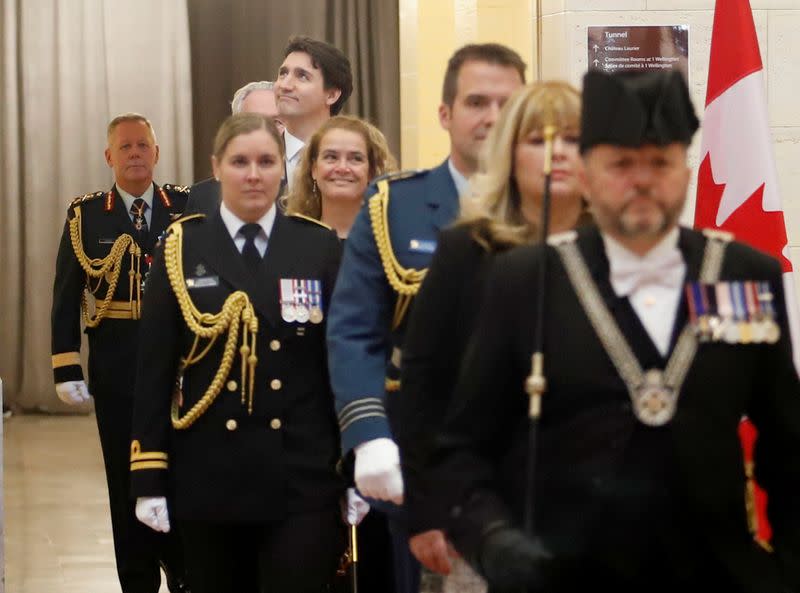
(236, 41)
(67, 67)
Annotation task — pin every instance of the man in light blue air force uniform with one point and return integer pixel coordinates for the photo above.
(387, 252)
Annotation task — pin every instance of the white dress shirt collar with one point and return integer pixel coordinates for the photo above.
(234, 224)
(619, 255)
(147, 196)
(293, 145)
(652, 283)
(461, 181)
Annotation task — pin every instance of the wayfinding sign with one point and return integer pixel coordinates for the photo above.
(660, 47)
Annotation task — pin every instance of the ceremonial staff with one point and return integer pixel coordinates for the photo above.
(536, 384)
(349, 560)
(354, 557)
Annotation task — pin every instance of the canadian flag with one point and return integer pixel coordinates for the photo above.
(737, 185)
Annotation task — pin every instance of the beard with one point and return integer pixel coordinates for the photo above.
(643, 217)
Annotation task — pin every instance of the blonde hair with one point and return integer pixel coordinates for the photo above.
(494, 207)
(303, 198)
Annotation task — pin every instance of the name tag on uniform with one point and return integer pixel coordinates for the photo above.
(422, 246)
(106, 240)
(204, 282)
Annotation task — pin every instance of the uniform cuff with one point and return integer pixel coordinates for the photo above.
(361, 421)
(148, 471)
(72, 372)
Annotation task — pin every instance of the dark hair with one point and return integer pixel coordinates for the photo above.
(244, 123)
(330, 60)
(492, 53)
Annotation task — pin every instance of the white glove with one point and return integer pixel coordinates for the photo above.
(72, 392)
(152, 511)
(377, 471)
(354, 508)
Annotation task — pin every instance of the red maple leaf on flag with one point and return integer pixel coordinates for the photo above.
(749, 223)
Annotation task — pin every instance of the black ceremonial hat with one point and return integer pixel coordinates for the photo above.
(636, 108)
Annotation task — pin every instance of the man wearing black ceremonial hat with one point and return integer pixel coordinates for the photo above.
(658, 339)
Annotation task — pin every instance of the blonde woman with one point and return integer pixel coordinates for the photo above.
(340, 159)
(503, 212)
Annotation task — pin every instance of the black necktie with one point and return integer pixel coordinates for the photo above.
(252, 258)
(138, 208)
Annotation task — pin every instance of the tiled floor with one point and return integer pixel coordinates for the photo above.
(57, 526)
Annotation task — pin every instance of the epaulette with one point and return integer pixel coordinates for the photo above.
(309, 219)
(86, 198)
(719, 235)
(398, 175)
(184, 189)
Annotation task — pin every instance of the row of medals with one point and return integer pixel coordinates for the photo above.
(747, 327)
(291, 312)
(654, 401)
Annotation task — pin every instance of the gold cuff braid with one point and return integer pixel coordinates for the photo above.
(109, 268)
(404, 281)
(236, 310)
(66, 359)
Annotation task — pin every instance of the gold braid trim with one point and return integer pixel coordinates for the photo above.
(750, 504)
(108, 267)
(236, 310)
(404, 281)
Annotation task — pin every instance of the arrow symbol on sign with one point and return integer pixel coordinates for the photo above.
(596, 62)
(596, 48)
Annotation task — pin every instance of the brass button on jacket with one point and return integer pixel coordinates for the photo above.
(275, 384)
(275, 424)
(231, 424)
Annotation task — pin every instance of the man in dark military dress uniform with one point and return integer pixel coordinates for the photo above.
(387, 251)
(105, 252)
(658, 339)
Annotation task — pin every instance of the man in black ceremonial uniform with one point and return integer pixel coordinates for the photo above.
(658, 339)
(104, 254)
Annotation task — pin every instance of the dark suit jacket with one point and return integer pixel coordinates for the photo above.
(113, 343)
(617, 502)
(439, 327)
(281, 458)
(204, 197)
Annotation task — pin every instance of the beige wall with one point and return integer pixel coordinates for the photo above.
(430, 31)
(777, 23)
